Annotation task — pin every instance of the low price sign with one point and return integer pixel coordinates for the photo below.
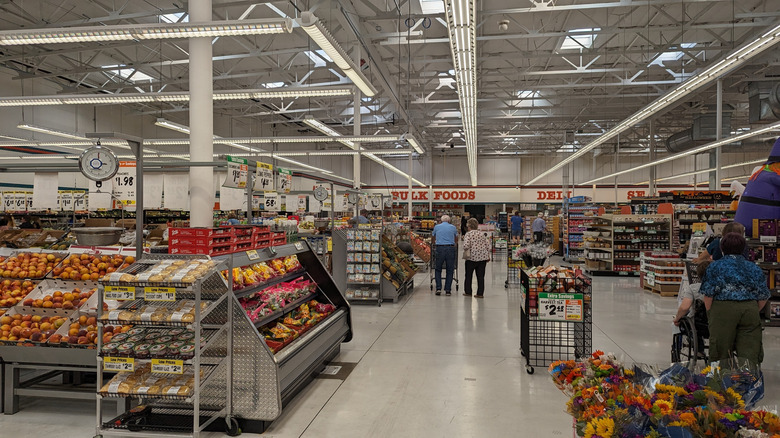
(237, 172)
(168, 366)
(119, 293)
(271, 202)
(560, 306)
(125, 183)
(160, 294)
(118, 364)
(264, 180)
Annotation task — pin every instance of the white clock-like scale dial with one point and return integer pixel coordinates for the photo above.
(98, 163)
(320, 193)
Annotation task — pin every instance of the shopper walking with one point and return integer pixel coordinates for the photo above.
(538, 226)
(734, 292)
(463, 221)
(517, 227)
(445, 240)
(478, 247)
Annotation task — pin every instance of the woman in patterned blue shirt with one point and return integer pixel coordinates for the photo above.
(734, 292)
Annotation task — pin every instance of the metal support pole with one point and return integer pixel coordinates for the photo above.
(715, 178)
(565, 181)
(410, 186)
(357, 120)
(430, 200)
(653, 169)
(250, 184)
(201, 119)
(617, 151)
(138, 150)
(332, 209)
(594, 175)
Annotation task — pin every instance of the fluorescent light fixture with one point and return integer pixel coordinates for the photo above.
(579, 39)
(734, 138)
(415, 144)
(682, 175)
(312, 26)
(49, 131)
(120, 98)
(325, 129)
(271, 140)
(461, 24)
(136, 32)
(711, 74)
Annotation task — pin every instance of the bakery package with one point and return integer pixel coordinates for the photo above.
(166, 271)
(143, 382)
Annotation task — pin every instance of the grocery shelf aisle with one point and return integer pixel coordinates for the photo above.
(443, 366)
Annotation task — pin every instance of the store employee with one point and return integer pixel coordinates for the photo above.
(445, 239)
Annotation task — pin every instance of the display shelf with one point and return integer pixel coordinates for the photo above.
(292, 306)
(676, 268)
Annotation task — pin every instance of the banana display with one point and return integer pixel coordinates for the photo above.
(397, 267)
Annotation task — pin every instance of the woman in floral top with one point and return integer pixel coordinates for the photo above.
(734, 292)
(479, 246)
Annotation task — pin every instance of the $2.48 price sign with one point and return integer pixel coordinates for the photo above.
(118, 364)
(119, 293)
(168, 366)
(560, 306)
(160, 294)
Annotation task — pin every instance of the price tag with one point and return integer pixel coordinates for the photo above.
(160, 294)
(124, 183)
(636, 240)
(264, 179)
(252, 254)
(652, 232)
(66, 200)
(119, 293)
(302, 203)
(299, 246)
(118, 364)
(284, 183)
(650, 278)
(768, 239)
(237, 172)
(271, 202)
(167, 366)
(560, 306)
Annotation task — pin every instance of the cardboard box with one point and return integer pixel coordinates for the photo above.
(128, 224)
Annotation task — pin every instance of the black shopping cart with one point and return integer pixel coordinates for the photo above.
(432, 268)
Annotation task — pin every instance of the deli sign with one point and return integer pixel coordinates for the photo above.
(435, 195)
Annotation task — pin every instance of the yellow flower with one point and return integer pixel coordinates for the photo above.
(602, 427)
(664, 406)
(671, 389)
(628, 372)
(734, 395)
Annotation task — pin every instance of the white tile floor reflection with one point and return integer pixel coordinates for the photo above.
(443, 366)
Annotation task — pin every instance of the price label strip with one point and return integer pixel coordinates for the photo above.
(560, 306)
(168, 366)
(252, 254)
(119, 293)
(118, 364)
(160, 294)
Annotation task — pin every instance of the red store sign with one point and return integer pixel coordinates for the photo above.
(438, 195)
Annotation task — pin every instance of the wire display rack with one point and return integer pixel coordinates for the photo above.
(552, 326)
(513, 267)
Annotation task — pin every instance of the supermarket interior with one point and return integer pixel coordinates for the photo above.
(236, 217)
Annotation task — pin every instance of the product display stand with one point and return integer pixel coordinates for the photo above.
(662, 272)
(556, 316)
(578, 217)
(598, 245)
(687, 217)
(634, 234)
(357, 263)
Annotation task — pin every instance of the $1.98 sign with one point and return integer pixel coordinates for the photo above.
(237, 170)
(168, 366)
(124, 183)
(160, 294)
(118, 364)
(560, 306)
(119, 293)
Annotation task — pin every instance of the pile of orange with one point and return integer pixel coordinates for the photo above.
(28, 265)
(87, 267)
(14, 291)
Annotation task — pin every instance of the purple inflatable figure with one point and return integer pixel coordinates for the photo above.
(761, 199)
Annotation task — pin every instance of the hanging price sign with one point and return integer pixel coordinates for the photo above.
(66, 200)
(160, 294)
(237, 172)
(271, 202)
(301, 203)
(284, 183)
(264, 179)
(118, 364)
(167, 366)
(28, 201)
(256, 201)
(20, 201)
(125, 183)
(119, 293)
(8, 201)
(560, 306)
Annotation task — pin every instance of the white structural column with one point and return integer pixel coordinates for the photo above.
(357, 122)
(715, 182)
(410, 186)
(201, 121)
(653, 173)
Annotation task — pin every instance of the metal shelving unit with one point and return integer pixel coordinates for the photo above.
(349, 263)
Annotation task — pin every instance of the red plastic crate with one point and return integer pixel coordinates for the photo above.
(198, 232)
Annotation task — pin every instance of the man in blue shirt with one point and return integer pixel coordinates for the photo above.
(445, 239)
(362, 219)
(538, 226)
(517, 226)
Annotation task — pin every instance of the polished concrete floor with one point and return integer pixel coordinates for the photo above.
(438, 366)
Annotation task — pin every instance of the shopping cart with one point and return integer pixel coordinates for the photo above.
(432, 268)
(514, 264)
